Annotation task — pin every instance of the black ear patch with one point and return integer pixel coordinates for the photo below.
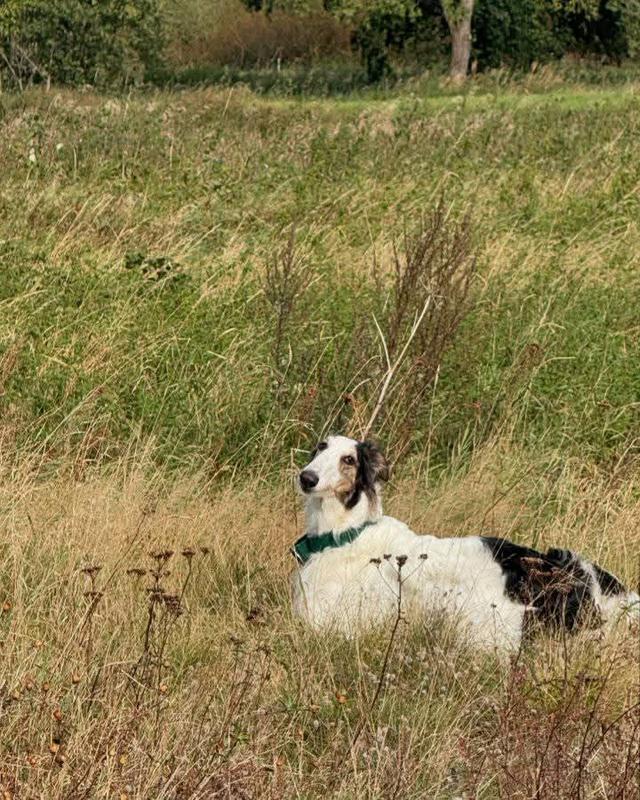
(372, 465)
(372, 468)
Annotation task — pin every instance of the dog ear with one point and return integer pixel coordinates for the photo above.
(372, 464)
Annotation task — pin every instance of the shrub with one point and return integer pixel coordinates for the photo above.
(514, 32)
(604, 34)
(226, 33)
(112, 42)
(518, 32)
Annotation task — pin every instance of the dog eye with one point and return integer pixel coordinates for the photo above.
(349, 460)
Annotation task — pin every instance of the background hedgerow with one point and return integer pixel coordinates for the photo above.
(110, 43)
(297, 46)
(227, 33)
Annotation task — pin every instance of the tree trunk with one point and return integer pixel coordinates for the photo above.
(459, 21)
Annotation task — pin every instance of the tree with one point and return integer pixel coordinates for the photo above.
(378, 24)
(372, 20)
(629, 11)
(459, 14)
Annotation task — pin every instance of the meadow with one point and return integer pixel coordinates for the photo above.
(195, 285)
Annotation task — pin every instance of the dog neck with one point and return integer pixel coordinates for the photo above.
(326, 514)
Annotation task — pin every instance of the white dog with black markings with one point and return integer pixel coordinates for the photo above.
(354, 564)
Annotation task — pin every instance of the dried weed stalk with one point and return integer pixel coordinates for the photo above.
(432, 275)
(287, 278)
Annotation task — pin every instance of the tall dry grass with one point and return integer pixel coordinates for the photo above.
(148, 649)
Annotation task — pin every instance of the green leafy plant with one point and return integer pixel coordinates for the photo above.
(114, 42)
(376, 27)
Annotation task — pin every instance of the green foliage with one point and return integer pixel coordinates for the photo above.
(630, 14)
(103, 42)
(590, 8)
(378, 26)
(516, 33)
(456, 10)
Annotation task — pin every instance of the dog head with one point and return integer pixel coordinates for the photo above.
(344, 468)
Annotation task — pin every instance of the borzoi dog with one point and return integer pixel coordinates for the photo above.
(356, 566)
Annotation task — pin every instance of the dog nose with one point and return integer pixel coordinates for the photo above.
(308, 480)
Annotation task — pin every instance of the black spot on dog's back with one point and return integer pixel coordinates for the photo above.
(608, 583)
(553, 585)
(509, 556)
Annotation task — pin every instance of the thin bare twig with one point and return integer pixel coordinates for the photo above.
(392, 368)
(401, 561)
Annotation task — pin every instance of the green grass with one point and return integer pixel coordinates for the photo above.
(100, 346)
(344, 79)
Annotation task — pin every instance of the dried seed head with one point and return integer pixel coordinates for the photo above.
(255, 613)
(92, 570)
(161, 555)
(6, 607)
(172, 602)
(401, 561)
(188, 552)
(375, 561)
(205, 550)
(57, 714)
(137, 572)
(177, 610)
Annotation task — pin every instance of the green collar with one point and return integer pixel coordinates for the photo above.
(307, 546)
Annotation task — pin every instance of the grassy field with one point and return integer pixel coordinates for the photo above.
(194, 286)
